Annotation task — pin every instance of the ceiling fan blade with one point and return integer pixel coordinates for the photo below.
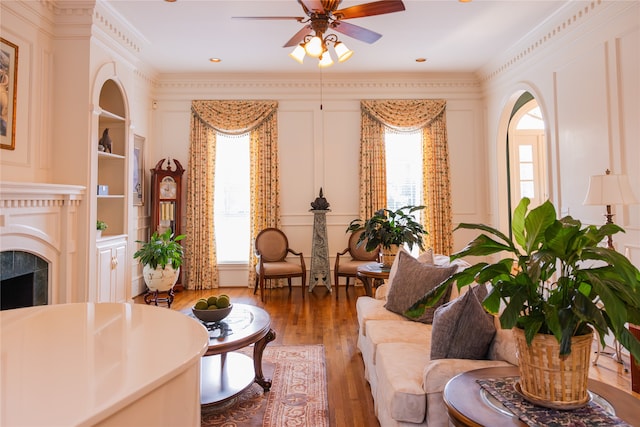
(299, 36)
(356, 31)
(330, 5)
(312, 5)
(268, 18)
(370, 9)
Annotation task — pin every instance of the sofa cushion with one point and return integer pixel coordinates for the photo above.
(399, 368)
(369, 308)
(412, 281)
(462, 329)
(386, 331)
(503, 346)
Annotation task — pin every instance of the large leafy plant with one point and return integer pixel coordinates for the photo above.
(556, 280)
(160, 250)
(387, 228)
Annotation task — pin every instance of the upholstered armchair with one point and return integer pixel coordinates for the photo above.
(357, 256)
(272, 248)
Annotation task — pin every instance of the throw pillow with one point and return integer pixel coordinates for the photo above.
(462, 329)
(425, 257)
(412, 281)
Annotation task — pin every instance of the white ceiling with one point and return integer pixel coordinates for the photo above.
(453, 36)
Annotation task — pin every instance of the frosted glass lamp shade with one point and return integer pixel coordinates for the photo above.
(609, 190)
(298, 53)
(342, 51)
(314, 47)
(325, 60)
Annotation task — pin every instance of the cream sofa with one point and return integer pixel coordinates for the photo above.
(406, 385)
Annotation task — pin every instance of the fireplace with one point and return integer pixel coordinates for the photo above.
(24, 280)
(42, 242)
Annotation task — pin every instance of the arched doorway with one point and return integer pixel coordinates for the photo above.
(525, 152)
(527, 155)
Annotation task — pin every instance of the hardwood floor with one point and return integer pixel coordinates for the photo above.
(319, 318)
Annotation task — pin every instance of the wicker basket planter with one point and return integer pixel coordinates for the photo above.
(388, 255)
(549, 380)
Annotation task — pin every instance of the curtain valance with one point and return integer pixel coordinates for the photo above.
(233, 117)
(404, 114)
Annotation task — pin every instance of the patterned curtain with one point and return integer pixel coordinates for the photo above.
(200, 247)
(259, 118)
(409, 115)
(373, 172)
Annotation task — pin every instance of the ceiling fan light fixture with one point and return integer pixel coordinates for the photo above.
(342, 51)
(325, 60)
(298, 53)
(314, 47)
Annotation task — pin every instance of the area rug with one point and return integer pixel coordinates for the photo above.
(298, 395)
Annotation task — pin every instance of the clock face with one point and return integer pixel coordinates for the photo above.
(168, 188)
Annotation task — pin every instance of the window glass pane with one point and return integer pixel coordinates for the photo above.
(526, 171)
(403, 152)
(404, 169)
(526, 153)
(232, 200)
(526, 189)
(531, 120)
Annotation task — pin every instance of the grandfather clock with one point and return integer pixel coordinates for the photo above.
(166, 200)
(166, 196)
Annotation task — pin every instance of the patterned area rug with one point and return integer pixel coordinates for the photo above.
(298, 393)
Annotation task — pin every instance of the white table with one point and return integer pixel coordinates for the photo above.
(102, 364)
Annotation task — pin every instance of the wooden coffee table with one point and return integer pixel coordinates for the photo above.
(225, 373)
(371, 275)
(469, 405)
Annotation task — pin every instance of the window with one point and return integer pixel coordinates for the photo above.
(403, 151)
(232, 198)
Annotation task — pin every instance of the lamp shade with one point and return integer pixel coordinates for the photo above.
(342, 51)
(609, 190)
(314, 47)
(325, 60)
(298, 53)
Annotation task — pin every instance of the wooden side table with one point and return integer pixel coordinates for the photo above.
(635, 364)
(467, 405)
(371, 275)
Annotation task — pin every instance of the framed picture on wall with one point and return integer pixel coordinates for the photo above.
(138, 171)
(8, 88)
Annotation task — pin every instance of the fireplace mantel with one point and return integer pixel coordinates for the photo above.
(43, 219)
(23, 191)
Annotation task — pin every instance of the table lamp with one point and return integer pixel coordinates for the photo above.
(609, 190)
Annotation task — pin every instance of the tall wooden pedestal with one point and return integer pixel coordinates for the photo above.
(320, 269)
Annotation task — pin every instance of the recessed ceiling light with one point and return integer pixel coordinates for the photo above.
(215, 59)
(421, 59)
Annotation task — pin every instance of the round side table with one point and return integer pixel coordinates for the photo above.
(372, 275)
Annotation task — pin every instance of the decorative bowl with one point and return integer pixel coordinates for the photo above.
(212, 315)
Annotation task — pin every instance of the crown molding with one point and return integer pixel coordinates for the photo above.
(547, 35)
(312, 84)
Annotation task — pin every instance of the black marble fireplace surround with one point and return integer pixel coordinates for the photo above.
(24, 279)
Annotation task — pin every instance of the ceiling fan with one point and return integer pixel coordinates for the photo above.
(324, 15)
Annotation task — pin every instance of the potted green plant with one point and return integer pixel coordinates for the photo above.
(162, 258)
(389, 230)
(100, 227)
(557, 282)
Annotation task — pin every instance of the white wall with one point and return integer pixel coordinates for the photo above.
(320, 148)
(584, 70)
